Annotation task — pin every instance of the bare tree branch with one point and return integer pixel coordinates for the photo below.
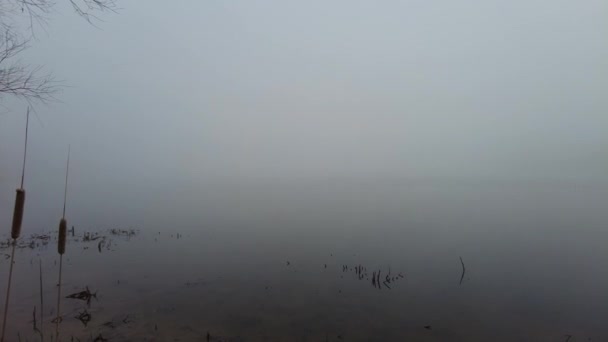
(24, 81)
(27, 83)
(85, 8)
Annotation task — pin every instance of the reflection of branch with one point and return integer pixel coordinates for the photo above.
(463, 271)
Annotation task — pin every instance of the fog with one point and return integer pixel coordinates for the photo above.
(181, 95)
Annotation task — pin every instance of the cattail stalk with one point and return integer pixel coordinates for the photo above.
(20, 196)
(63, 229)
(16, 225)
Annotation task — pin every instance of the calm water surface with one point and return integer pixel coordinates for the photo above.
(279, 262)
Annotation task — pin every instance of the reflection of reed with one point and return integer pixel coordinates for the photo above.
(58, 318)
(41, 306)
(16, 226)
(8, 290)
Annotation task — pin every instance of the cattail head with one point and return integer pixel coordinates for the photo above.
(18, 213)
(63, 228)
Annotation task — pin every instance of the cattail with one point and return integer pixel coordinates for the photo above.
(62, 234)
(63, 230)
(16, 227)
(18, 213)
(63, 224)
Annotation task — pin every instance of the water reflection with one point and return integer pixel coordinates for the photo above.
(317, 281)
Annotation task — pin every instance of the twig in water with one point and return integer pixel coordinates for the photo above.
(463, 271)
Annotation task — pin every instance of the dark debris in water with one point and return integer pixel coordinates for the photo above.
(123, 232)
(104, 244)
(84, 317)
(31, 242)
(114, 324)
(199, 282)
(109, 324)
(377, 280)
(85, 295)
(100, 338)
(42, 241)
(88, 236)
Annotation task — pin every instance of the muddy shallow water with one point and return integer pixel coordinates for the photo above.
(329, 263)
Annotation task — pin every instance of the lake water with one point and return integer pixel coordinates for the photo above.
(295, 261)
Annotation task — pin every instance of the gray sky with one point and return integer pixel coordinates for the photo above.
(206, 91)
